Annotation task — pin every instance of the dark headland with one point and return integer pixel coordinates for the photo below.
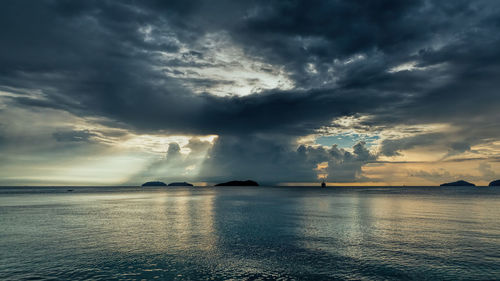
(494, 183)
(180, 184)
(154, 183)
(238, 183)
(458, 183)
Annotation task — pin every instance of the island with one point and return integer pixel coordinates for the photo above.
(154, 183)
(494, 183)
(238, 183)
(180, 184)
(458, 183)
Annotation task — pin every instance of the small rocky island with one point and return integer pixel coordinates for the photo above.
(458, 183)
(238, 183)
(494, 183)
(154, 183)
(180, 184)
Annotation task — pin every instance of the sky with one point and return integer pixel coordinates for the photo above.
(282, 92)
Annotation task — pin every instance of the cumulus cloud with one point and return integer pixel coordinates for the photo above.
(175, 165)
(272, 161)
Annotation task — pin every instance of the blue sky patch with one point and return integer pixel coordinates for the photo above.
(346, 140)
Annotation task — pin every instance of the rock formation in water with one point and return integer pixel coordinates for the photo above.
(180, 184)
(238, 183)
(458, 183)
(154, 183)
(494, 183)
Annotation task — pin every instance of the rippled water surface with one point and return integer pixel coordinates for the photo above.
(208, 233)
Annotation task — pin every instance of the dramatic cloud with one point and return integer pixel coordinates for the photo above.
(273, 80)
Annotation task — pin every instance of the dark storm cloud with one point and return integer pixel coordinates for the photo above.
(327, 30)
(102, 59)
(93, 52)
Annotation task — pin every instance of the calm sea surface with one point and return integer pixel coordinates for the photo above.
(264, 233)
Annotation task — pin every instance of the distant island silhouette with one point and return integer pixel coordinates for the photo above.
(154, 183)
(458, 183)
(494, 183)
(238, 183)
(179, 184)
(323, 184)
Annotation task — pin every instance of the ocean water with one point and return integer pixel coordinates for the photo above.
(250, 233)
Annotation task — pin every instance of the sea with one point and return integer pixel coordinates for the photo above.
(249, 233)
